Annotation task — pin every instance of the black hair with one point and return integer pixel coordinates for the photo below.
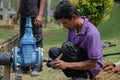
(65, 10)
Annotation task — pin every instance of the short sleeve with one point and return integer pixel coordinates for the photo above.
(94, 46)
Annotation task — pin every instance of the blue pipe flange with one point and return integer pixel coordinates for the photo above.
(40, 58)
(15, 51)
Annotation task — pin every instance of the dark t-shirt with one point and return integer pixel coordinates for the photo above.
(29, 8)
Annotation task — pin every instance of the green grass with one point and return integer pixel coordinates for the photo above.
(53, 37)
(110, 31)
(5, 33)
(8, 33)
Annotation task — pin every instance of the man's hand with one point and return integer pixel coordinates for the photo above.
(38, 20)
(60, 64)
(15, 18)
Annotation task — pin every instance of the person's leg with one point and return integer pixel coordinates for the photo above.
(54, 52)
(22, 29)
(72, 53)
(23, 69)
(37, 32)
(22, 26)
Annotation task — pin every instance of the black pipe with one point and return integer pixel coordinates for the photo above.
(5, 58)
(111, 54)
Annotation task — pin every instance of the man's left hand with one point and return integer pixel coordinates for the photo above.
(60, 64)
(38, 20)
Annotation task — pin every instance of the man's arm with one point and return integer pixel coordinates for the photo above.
(89, 64)
(38, 20)
(18, 10)
(83, 65)
(42, 6)
(15, 18)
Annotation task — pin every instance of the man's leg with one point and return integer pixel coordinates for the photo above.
(37, 32)
(22, 26)
(22, 29)
(22, 69)
(54, 52)
(70, 54)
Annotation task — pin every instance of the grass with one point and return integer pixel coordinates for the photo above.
(8, 32)
(110, 32)
(55, 35)
(5, 33)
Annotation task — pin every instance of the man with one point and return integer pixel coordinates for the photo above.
(82, 52)
(33, 9)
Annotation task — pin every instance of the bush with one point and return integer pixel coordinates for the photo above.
(95, 10)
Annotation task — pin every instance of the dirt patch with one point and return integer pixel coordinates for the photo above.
(2, 40)
(47, 34)
(109, 72)
(7, 26)
(111, 68)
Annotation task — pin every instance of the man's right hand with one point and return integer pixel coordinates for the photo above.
(15, 18)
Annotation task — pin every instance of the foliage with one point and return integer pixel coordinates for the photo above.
(110, 30)
(53, 4)
(15, 4)
(95, 10)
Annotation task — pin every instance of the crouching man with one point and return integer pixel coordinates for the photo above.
(81, 54)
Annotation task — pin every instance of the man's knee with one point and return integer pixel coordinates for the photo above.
(68, 47)
(54, 52)
(51, 52)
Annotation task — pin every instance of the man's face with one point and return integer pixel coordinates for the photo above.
(68, 24)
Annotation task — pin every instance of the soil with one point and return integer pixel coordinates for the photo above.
(109, 72)
(7, 26)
